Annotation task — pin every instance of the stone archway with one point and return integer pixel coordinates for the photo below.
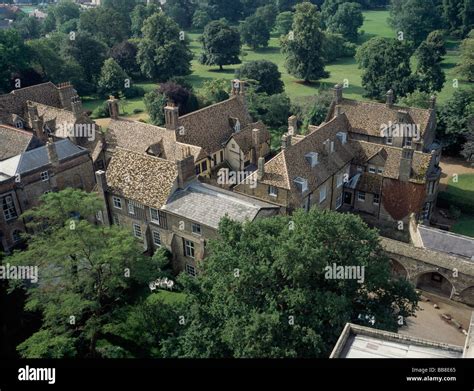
(397, 269)
(467, 296)
(433, 281)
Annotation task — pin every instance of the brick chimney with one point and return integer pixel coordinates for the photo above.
(337, 111)
(32, 110)
(171, 116)
(38, 129)
(113, 107)
(238, 87)
(261, 168)
(406, 164)
(186, 170)
(101, 180)
(389, 98)
(293, 125)
(76, 107)
(338, 94)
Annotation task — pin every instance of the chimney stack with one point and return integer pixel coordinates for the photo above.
(338, 94)
(52, 153)
(293, 125)
(66, 92)
(76, 106)
(38, 129)
(433, 102)
(261, 168)
(256, 137)
(389, 98)
(238, 87)
(113, 107)
(337, 111)
(406, 163)
(101, 180)
(171, 116)
(186, 170)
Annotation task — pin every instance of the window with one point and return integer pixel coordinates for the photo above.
(117, 202)
(9, 210)
(204, 166)
(389, 140)
(372, 169)
(339, 201)
(155, 216)
(215, 158)
(189, 248)
(431, 187)
(156, 238)
(137, 231)
(407, 142)
(198, 169)
(116, 220)
(361, 196)
(273, 191)
(376, 199)
(379, 170)
(339, 180)
(44, 176)
(16, 236)
(222, 156)
(19, 124)
(196, 228)
(131, 208)
(190, 269)
(322, 194)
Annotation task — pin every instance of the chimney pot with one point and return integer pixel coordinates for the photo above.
(186, 171)
(113, 107)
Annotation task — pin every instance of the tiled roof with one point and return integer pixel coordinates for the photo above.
(364, 151)
(140, 177)
(51, 114)
(370, 183)
(367, 117)
(139, 137)
(207, 205)
(291, 162)
(211, 127)
(38, 157)
(244, 138)
(13, 141)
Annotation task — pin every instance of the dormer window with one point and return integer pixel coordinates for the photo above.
(301, 184)
(19, 124)
(237, 126)
(312, 158)
(342, 136)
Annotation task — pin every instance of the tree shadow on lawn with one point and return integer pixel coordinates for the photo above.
(223, 71)
(267, 50)
(328, 86)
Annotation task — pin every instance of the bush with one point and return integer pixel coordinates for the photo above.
(134, 92)
(336, 46)
(101, 111)
(137, 111)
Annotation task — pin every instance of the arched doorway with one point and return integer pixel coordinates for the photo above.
(467, 296)
(398, 270)
(434, 282)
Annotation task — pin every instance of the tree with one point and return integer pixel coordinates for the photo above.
(452, 14)
(228, 9)
(346, 21)
(255, 32)
(180, 96)
(272, 110)
(201, 18)
(428, 70)
(415, 18)
(28, 27)
(466, 64)
(454, 119)
(155, 103)
(89, 273)
(284, 21)
(181, 11)
(416, 99)
(468, 147)
(336, 46)
(386, 65)
(214, 91)
(265, 74)
(303, 50)
(138, 16)
(221, 44)
(125, 53)
(260, 296)
(112, 80)
(161, 52)
(329, 9)
(312, 110)
(14, 57)
(63, 11)
(268, 13)
(96, 21)
(89, 53)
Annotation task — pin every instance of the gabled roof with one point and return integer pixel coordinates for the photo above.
(364, 151)
(210, 127)
(367, 117)
(38, 157)
(139, 137)
(52, 115)
(140, 177)
(13, 141)
(244, 138)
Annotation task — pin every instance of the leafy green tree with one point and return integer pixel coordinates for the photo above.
(303, 49)
(14, 57)
(255, 32)
(125, 53)
(336, 46)
(454, 118)
(265, 74)
(88, 273)
(259, 295)
(63, 11)
(416, 99)
(346, 21)
(268, 13)
(201, 18)
(286, 5)
(228, 9)
(89, 52)
(221, 44)
(415, 18)
(272, 110)
(284, 21)
(452, 14)
(28, 27)
(155, 103)
(138, 16)
(113, 78)
(214, 91)
(162, 53)
(468, 147)
(181, 11)
(466, 64)
(96, 21)
(312, 110)
(329, 9)
(386, 65)
(467, 16)
(428, 70)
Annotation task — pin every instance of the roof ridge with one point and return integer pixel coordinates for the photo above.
(208, 107)
(384, 104)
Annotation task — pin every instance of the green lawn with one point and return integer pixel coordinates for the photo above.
(375, 24)
(464, 226)
(167, 296)
(459, 194)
